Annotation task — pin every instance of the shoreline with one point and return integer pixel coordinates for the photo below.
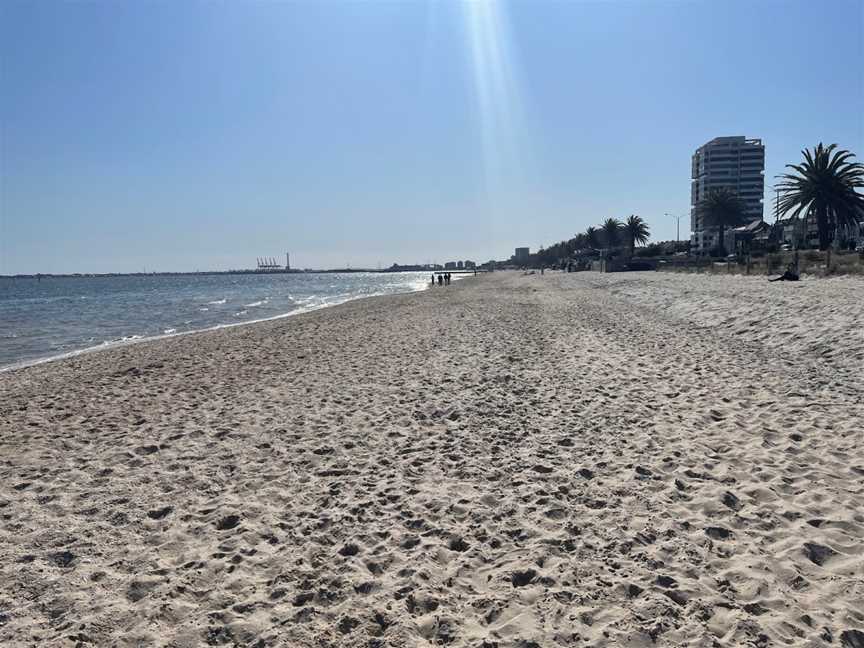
(108, 346)
(525, 460)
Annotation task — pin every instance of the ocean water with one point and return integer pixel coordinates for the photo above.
(57, 316)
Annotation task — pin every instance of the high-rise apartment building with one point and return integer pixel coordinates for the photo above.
(734, 162)
(522, 255)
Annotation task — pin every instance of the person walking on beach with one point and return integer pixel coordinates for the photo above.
(440, 280)
(433, 278)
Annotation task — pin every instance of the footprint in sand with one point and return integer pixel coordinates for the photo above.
(158, 514)
(349, 549)
(228, 522)
(819, 554)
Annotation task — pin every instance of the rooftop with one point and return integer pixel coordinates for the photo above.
(732, 140)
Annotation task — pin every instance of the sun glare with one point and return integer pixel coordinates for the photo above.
(499, 101)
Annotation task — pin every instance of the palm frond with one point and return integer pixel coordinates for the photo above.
(824, 186)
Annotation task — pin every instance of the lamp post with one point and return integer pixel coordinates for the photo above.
(677, 226)
(776, 201)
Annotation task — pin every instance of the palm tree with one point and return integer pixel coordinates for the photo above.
(637, 232)
(722, 208)
(578, 242)
(825, 186)
(592, 237)
(611, 229)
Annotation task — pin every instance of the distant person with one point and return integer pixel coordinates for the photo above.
(448, 278)
(433, 278)
(440, 280)
(789, 275)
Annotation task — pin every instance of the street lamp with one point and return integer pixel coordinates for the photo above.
(776, 202)
(677, 226)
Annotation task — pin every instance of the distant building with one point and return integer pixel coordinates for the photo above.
(803, 233)
(470, 265)
(522, 255)
(734, 162)
(460, 265)
(751, 237)
(450, 265)
(409, 268)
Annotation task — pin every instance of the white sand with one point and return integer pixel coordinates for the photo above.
(565, 460)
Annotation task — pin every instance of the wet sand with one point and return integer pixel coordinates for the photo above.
(562, 460)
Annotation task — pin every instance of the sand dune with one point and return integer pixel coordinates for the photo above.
(558, 460)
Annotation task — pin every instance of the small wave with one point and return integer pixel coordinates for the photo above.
(169, 331)
(254, 304)
(299, 304)
(125, 338)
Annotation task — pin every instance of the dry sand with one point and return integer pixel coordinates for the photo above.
(565, 460)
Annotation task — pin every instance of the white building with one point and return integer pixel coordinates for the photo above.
(734, 162)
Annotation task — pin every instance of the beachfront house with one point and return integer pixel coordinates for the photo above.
(803, 234)
(751, 237)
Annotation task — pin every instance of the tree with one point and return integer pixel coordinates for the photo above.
(825, 186)
(592, 237)
(722, 208)
(577, 243)
(637, 232)
(611, 229)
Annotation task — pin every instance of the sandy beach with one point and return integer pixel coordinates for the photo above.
(515, 461)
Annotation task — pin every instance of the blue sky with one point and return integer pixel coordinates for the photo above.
(182, 136)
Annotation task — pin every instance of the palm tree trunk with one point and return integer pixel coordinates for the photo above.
(722, 241)
(822, 225)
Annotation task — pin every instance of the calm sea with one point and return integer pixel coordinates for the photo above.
(62, 315)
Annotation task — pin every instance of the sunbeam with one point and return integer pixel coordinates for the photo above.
(500, 105)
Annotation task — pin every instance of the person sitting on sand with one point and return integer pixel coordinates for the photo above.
(789, 275)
